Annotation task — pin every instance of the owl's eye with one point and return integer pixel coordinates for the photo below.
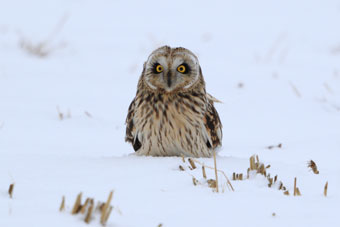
(159, 68)
(183, 68)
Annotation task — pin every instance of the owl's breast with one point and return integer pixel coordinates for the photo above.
(168, 126)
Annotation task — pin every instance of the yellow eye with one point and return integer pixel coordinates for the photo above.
(159, 68)
(181, 69)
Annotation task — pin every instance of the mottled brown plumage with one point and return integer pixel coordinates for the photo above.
(172, 114)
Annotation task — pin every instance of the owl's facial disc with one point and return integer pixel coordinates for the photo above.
(171, 70)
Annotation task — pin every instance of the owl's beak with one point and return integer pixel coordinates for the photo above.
(169, 79)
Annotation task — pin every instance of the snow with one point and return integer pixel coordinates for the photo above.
(269, 47)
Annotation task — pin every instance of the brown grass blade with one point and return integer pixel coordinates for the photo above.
(83, 208)
(194, 181)
(230, 186)
(107, 204)
(211, 183)
(294, 88)
(77, 204)
(107, 215)
(192, 163)
(10, 190)
(216, 175)
(62, 205)
(298, 192)
(311, 164)
(325, 189)
(203, 172)
(89, 212)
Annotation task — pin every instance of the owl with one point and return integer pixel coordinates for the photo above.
(172, 115)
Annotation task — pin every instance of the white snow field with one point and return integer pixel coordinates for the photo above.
(274, 64)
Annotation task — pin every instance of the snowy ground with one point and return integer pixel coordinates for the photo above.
(274, 64)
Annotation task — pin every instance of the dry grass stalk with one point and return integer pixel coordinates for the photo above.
(298, 192)
(281, 185)
(62, 205)
(225, 175)
(83, 207)
(237, 176)
(193, 166)
(77, 204)
(107, 204)
(181, 168)
(89, 208)
(270, 182)
(252, 163)
(88, 114)
(240, 85)
(107, 215)
(325, 189)
(194, 181)
(275, 146)
(183, 159)
(216, 175)
(296, 189)
(60, 114)
(211, 183)
(261, 169)
(296, 91)
(89, 211)
(44, 48)
(100, 206)
(40, 49)
(286, 192)
(63, 116)
(10, 190)
(203, 172)
(311, 164)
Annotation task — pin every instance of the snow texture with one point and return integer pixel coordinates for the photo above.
(274, 64)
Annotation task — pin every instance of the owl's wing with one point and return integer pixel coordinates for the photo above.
(213, 124)
(130, 135)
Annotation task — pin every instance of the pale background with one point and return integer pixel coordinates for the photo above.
(274, 64)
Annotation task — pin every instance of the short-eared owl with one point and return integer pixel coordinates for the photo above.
(172, 114)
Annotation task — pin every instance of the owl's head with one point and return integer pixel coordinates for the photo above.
(170, 69)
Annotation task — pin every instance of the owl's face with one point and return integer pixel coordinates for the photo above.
(169, 69)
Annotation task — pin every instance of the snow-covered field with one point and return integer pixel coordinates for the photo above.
(274, 64)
